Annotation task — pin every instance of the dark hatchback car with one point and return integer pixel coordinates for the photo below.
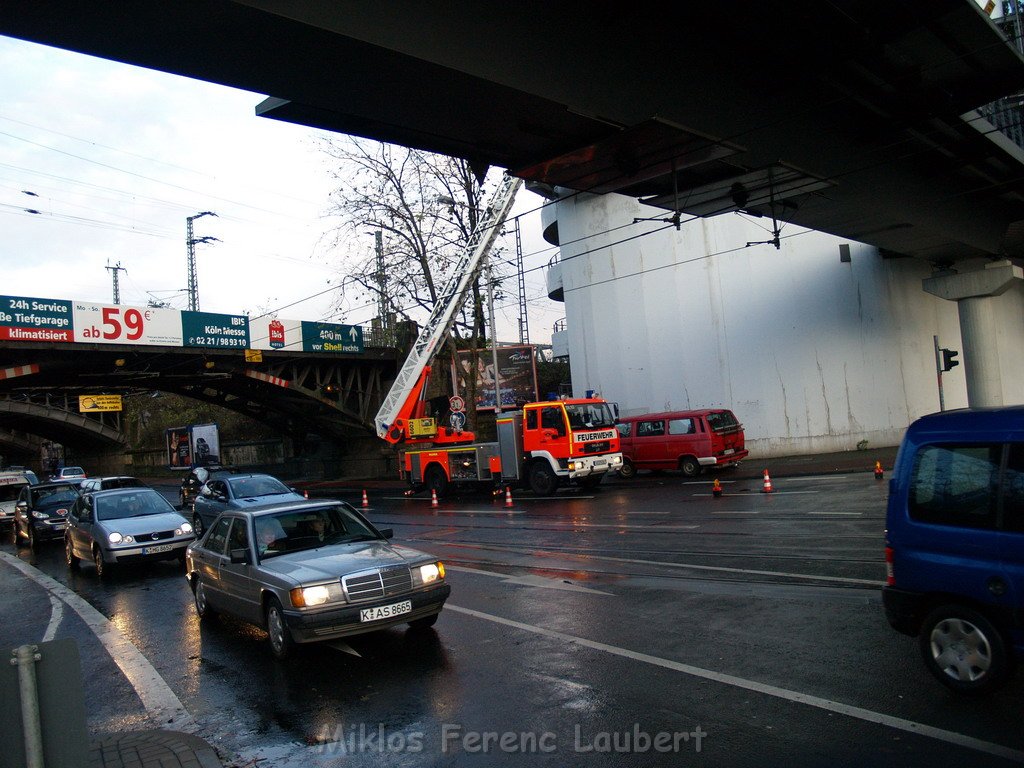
(248, 491)
(312, 570)
(41, 512)
(955, 545)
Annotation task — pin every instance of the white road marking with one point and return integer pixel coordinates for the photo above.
(162, 706)
(860, 713)
(530, 580)
(56, 614)
(480, 511)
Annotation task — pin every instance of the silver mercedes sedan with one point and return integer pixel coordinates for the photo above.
(311, 570)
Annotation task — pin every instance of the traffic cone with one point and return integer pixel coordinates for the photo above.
(767, 483)
(366, 501)
(716, 489)
(305, 494)
(433, 498)
(508, 496)
(878, 471)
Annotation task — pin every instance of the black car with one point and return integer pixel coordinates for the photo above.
(194, 480)
(41, 512)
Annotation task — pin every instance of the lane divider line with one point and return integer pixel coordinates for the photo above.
(859, 713)
(162, 705)
(56, 614)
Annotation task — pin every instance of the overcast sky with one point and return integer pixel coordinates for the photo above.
(117, 157)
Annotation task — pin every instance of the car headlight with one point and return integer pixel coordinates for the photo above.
(115, 537)
(183, 529)
(431, 572)
(307, 597)
(573, 466)
(39, 515)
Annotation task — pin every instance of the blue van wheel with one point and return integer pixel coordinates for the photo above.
(964, 650)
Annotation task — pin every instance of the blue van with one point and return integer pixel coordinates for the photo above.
(955, 544)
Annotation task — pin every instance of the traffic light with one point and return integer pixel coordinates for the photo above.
(949, 360)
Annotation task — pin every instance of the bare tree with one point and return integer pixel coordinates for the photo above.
(427, 207)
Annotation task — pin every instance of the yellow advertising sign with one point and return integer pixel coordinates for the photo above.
(254, 356)
(93, 403)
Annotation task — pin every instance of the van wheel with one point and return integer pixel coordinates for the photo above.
(964, 650)
(689, 466)
(543, 481)
(627, 470)
(436, 480)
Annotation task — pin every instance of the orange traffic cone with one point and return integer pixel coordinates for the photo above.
(878, 470)
(767, 483)
(508, 496)
(366, 501)
(433, 498)
(716, 489)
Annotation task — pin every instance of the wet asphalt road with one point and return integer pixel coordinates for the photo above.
(648, 617)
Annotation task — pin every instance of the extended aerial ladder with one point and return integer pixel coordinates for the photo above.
(404, 406)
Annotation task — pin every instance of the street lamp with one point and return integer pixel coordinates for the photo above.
(190, 241)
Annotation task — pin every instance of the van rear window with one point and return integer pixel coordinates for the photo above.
(723, 421)
(956, 485)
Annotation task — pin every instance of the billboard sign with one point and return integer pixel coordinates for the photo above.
(331, 337)
(206, 329)
(97, 403)
(192, 446)
(27, 319)
(517, 375)
(116, 324)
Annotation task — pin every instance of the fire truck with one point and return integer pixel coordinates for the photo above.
(541, 445)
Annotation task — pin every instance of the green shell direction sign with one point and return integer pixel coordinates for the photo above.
(205, 329)
(330, 337)
(67, 322)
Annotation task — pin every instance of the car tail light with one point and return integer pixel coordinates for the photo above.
(890, 574)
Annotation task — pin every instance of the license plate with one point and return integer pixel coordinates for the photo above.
(600, 462)
(728, 451)
(155, 550)
(385, 611)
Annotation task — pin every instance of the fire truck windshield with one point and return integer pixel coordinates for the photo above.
(590, 416)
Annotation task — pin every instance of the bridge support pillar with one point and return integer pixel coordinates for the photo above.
(974, 293)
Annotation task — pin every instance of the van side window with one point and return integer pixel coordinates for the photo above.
(681, 427)
(650, 428)
(955, 485)
(1013, 490)
(625, 429)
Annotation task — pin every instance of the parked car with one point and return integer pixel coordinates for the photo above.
(193, 482)
(11, 485)
(231, 491)
(125, 525)
(955, 544)
(106, 483)
(689, 441)
(312, 570)
(41, 512)
(70, 473)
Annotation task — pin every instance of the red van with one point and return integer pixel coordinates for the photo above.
(685, 440)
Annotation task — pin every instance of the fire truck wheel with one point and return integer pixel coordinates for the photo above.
(543, 481)
(434, 479)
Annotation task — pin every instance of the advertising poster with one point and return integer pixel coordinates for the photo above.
(118, 324)
(206, 329)
(179, 452)
(517, 374)
(275, 333)
(331, 337)
(27, 319)
(205, 444)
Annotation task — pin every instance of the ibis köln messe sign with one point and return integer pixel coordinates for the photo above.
(63, 321)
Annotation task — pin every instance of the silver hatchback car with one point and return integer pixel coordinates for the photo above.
(124, 525)
(312, 570)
